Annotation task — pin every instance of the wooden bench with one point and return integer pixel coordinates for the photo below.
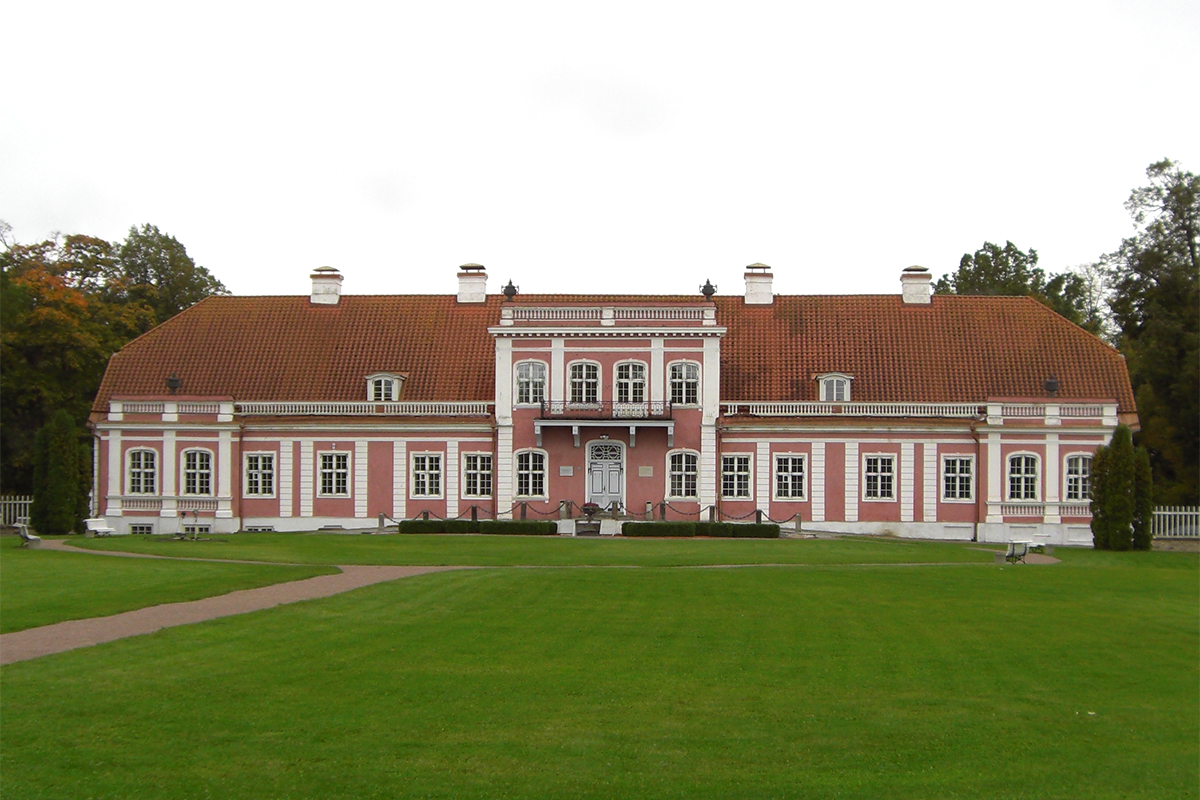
(1016, 552)
(27, 539)
(99, 527)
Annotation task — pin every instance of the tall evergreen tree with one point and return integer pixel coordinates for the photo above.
(1121, 494)
(56, 476)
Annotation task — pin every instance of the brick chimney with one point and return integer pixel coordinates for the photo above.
(758, 285)
(326, 286)
(472, 283)
(915, 285)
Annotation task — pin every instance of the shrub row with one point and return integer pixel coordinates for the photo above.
(766, 530)
(491, 526)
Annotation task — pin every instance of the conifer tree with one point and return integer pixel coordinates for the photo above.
(1121, 494)
(56, 476)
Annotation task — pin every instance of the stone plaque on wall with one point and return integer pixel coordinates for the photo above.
(566, 472)
(645, 472)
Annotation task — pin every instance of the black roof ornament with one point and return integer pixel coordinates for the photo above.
(708, 290)
(510, 291)
(1051, 385)
(174, 382)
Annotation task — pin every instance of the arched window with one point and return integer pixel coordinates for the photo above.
(835, 387)
(531, 383)
(631, 382)
(685, 383)
(585, 383)
(383, 387)
(1079, 477)
(197, 472)
(143, 472)
(1023, 477)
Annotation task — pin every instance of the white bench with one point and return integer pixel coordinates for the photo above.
(1017, 550)
(99, 527)
(27, 539)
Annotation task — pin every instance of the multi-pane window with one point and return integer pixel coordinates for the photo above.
(531, 383)
(685, 384)
(789, 477)
(260, 474)
(531, 474)
(197, 472)
(735, 476)
(383, 390)
(880, 477)
(631, 383)
(585, 383)
(335, 474)
(835, 390)
(142, 471)
(1022, 477)
(956, 478)
(683, 474)
(1079, 477)
(477, 475)
(427, 475)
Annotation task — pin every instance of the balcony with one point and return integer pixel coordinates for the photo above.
(561, 409)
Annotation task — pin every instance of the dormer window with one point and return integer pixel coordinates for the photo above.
(835, 387)
(383, 387)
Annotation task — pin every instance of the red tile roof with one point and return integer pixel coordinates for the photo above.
(958, 349)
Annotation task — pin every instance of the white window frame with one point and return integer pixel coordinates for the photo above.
(481, 474)
(333, 471)
(743, 481)
(519, 472)
(631, 383)
(775, 457)
(531, 383)
(695, 473)
(184, 472)
(141, 471)
(828, 383)
(384, 379)
(149, 528)
(1037, 478)
(247, 471)
(892, 474)
(1086, 480)
(571, 381)
(970, 459)
(683, 383)
(414, 472)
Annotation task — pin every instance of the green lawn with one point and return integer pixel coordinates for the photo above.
(1075, 680)
(41, 587)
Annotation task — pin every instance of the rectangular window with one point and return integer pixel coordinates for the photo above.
(142, 472)
(683, 476)
(735, 477)
(1022, 478)
(427, 475)
(531, 474)
(957, 478)
(789, 477)
(531, 383)
(141, 530)
(197, 472)
(685, 384)
(585, 384)
(880, 473)
(260, 474)
(335, 474)
(631, 383)
(1079, 477)
(477, 475)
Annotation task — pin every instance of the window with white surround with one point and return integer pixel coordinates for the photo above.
(259, 476)
(835, 387)
(477, 475)
(631, 382)
(197, 472)
(426, 475)
(531, 383)
(1023, 477)
(685, 383)
(735, 477)
(383, 388)
(879, 477)
(531, 473)
(958, 478)
(141, 529)
(1079, 477)
(143, 472)
(334, 475)
(683, 471)
(585, 383)
(789, 477)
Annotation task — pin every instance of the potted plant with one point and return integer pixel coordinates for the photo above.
(591, 525)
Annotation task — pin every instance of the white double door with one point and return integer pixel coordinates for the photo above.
(606, 473)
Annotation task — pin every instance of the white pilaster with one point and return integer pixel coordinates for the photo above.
(658, 378)
(710, 400)
(1053, 480)
(170, 460)
(504, 380)
(399, 479)
(285, 478)
(115, 474)
(929, 482)
(558, 369)
(708, 465)
(224, 474)
(762, 477)
(994, 477)
(360, 479)
(306, 478)
(816, 482)
(907, 482)
(451, 480)
(851, 481)
(504, 470)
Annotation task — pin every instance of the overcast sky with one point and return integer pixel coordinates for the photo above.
(627, 147)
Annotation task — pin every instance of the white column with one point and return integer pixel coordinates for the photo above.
(710, 400)
(907, 481)
(1053, 479)
(762, 478)
(558, 368)
(224, 474)
(360, 479)
(115, 474)
(285, 478)
(504, 470)
(994, 477)
(306, 478)
(451, 480)
(851, 481)
(929, 482)
(708, 465)
(658, 378)
(399, 479)
(170, 461)
(816, 482)
(504, 379)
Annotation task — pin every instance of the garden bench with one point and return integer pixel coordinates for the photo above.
(27, 539)
(1016, 552)
(99, 526)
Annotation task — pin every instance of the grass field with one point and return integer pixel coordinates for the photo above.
(1080, 679)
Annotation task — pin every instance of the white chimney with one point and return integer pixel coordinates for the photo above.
(758, 285)
(472, 284)
(326, 286)
(915, 285)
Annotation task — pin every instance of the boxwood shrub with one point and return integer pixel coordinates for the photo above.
(517, 526)
(438, 526)
(658, 529)
(752, 530)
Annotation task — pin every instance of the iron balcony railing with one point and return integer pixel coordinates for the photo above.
(563, 409)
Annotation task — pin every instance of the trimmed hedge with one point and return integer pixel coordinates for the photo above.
(518, 527)
(726, 530)
(438, 526)
(658, 529)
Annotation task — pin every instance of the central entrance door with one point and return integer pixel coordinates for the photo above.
(605, 473)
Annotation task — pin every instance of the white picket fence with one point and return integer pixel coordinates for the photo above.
(1176, 522)
(14, 506)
